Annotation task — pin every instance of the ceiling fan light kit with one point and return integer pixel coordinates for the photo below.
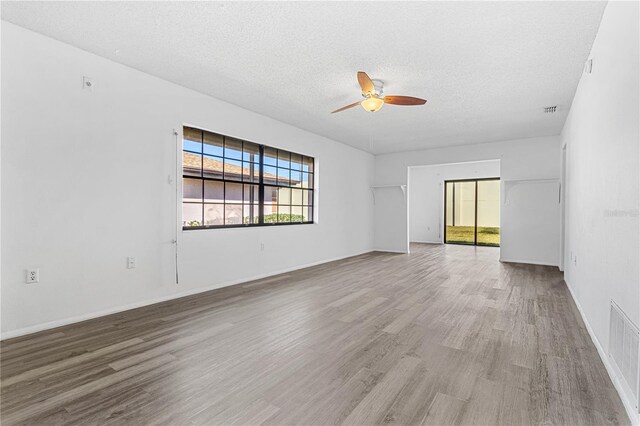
(372, 103)
(372, 92)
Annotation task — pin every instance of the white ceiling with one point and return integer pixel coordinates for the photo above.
(486, 68)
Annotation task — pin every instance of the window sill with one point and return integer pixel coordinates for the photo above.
(265, 225)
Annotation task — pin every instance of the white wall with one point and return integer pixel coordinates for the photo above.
(530, 215)
(89, 178)
(602, 201)
(426, 195)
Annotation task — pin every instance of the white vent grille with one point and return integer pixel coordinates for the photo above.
(550, 109)
(624, 339)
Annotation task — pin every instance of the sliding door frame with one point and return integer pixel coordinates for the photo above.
(453, 206)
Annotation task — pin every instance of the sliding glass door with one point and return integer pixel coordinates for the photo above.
(488, 213)
(472, 212)
(461, 212)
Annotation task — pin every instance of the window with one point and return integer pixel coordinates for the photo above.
(228, 182)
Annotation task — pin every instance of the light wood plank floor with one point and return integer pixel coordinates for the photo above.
(446, 335)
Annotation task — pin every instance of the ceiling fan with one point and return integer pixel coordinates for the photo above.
(373, 99)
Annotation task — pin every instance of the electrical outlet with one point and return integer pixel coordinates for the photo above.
(33, 276)
(261, 246)
(131, 262)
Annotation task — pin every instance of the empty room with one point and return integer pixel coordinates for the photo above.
(320, 213)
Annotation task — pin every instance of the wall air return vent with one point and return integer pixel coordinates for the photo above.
(623, 351)
(550, 109)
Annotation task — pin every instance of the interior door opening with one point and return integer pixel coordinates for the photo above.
(472, 212)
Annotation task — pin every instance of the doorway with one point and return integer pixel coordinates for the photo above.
(472, 212)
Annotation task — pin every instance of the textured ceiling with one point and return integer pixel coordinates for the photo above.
(486, 68)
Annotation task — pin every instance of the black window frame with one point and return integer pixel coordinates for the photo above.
(272, 181)
(475, 214)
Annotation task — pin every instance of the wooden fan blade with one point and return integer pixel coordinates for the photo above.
(346, 107)
(403, 100)
(365, 83)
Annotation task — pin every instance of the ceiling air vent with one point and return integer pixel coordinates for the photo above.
(550, 109)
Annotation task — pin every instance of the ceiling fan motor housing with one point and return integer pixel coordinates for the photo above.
(379, 86)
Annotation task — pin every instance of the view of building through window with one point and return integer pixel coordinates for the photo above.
(231, 182)
(472, 212)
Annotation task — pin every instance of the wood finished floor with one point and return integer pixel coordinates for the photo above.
(446, 335)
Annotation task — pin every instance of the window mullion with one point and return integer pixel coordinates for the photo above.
(261, 188)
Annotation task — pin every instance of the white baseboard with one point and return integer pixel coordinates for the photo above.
(72, 320)
(427, 242)
(529, 262)
(629, 406)
(390, 251)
